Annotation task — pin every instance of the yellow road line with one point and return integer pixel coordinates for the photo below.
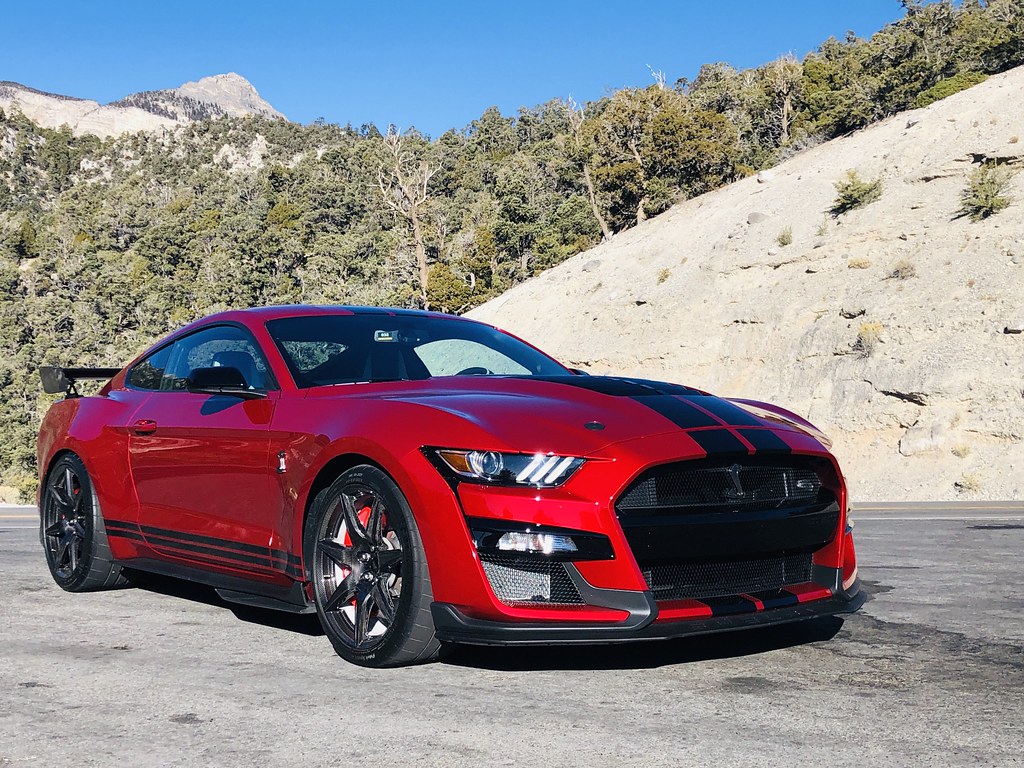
(19, 517)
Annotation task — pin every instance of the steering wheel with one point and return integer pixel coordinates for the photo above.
(475, 370)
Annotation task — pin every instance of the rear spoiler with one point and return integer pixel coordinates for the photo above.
(58, 380)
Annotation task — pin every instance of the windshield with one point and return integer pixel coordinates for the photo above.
(344, 349)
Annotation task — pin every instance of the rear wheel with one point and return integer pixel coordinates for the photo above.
(369, 572)
(73, 536)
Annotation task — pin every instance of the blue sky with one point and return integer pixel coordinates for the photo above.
(434, 65)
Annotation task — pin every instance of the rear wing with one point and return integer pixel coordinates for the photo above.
(58, 380)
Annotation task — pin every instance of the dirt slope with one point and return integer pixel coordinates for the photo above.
(919, 378)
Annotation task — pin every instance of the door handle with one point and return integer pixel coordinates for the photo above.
(144, 427)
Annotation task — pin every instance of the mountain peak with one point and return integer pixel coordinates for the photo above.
(231, 92)
(221, 95)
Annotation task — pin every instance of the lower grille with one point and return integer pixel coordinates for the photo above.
(518, 580)
(699, 580)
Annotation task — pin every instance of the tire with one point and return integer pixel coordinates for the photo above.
(365, 559)
(72, 532)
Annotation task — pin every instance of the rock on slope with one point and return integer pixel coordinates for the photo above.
(214, 96)
(890, 326)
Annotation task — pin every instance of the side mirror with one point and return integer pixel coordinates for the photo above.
(221, 380)
(579, 372)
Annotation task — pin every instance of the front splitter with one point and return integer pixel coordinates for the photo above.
(454, 626)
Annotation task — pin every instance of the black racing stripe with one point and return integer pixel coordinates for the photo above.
(200, 549)
(765, 441)
(214, 555)
(249, 554)
(123, 524)
(212, 541)
(727, 606)
(126, 534)
(775, 598)
(280, 554)
(604, 385)
(679, 412)
(731, 414)
(292, 561)
(718, 441)
(124, 530)
(666, 388)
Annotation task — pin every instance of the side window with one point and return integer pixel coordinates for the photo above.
(448, 357)
(220, 345)
(148, 373)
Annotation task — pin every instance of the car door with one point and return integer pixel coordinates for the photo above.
(200, 463)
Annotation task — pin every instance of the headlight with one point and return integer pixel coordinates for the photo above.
(537, 470)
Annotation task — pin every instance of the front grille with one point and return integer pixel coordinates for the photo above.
(529, 580)
(696, 487)
(702, 580)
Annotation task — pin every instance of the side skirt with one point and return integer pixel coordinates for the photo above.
(233, 589)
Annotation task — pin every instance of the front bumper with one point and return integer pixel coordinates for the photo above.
(454, 626)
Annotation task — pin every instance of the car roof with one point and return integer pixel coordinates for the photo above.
(262, 314)
(257, 316)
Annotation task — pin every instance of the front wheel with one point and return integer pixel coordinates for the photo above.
(73, 535)
(370, 580)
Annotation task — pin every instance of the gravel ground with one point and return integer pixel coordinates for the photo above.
(931, 672)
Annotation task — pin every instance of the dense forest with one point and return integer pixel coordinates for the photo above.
(107, 244)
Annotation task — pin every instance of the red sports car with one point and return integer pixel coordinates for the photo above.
(419, 479)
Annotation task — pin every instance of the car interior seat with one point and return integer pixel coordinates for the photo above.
(244, 362)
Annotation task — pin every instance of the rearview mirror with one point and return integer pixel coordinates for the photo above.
(221, 380)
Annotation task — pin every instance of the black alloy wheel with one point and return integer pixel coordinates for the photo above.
(370, 581)
(72, 532)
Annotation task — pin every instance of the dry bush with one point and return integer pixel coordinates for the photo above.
(968, 483)
(868, 337)
(903, 270)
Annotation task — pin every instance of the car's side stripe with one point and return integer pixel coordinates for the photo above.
(263, 561)
(209, 547)
(123, 530)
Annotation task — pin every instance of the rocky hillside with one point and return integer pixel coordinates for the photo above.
(215, 96)
(896, 326)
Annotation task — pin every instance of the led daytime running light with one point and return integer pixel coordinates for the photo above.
(539, 470)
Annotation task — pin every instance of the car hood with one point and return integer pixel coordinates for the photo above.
(584, 414)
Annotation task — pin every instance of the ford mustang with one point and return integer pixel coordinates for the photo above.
(420, 480)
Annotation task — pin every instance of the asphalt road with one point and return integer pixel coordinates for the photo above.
(931, 672)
